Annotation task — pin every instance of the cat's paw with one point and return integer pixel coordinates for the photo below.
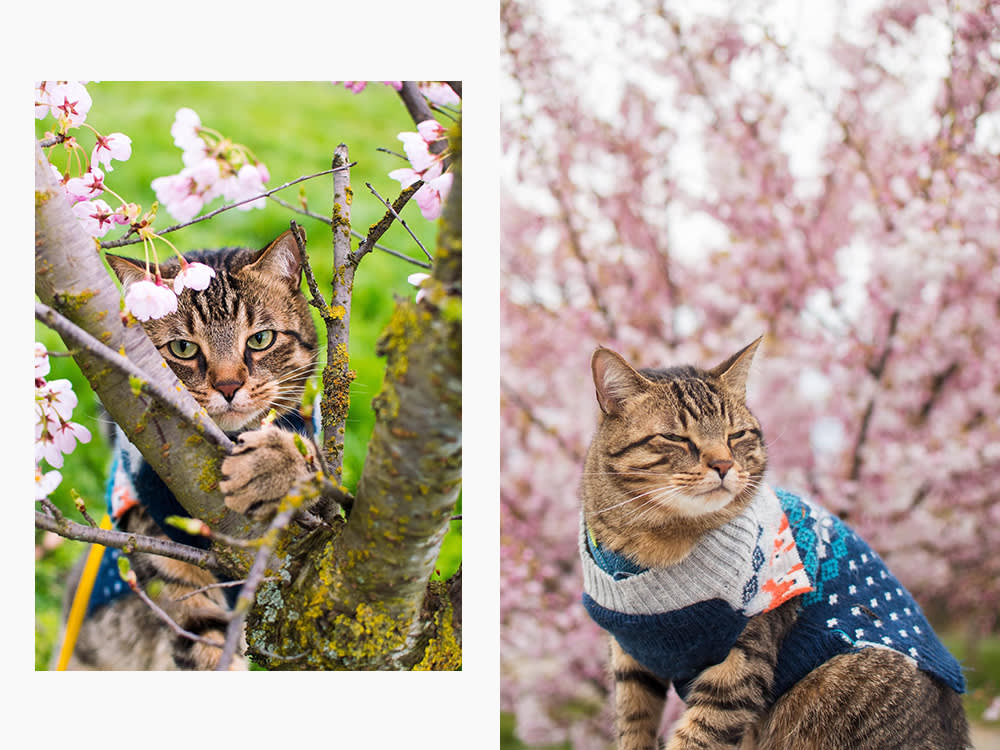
(262, 469)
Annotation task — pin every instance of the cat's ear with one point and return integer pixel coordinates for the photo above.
(282, 258)
(734, 371)
(127, 270)
(614, 379)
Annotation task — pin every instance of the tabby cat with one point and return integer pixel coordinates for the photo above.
(778, 626)
(243, 346)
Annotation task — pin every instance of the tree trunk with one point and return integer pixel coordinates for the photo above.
(362, 600)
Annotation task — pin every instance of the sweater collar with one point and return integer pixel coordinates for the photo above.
(751, 562)
(613, 563)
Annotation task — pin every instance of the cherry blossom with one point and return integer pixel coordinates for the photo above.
(69, 102)
(425, 165)
(195, 276)
(114, 146)
(431, 131)
(439, 93)
(43, 99)
(213, 166)
(42, 365)
(127, 213)
(86, 187)
(149, 299)
(185, 130)
(55, 433)
(179, 195)
(418, 152)
(247, 183)
(358, 86)
(432, 195)
(45, 483)
(96, 216)
(417, 279)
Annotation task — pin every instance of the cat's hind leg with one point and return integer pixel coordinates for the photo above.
(874, 699)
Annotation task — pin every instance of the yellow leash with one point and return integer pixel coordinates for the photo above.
(80, 600)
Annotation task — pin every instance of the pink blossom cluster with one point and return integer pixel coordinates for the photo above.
(208, 155)
(213, 166)
(68, 102)
(426, 166)
(436, 92)
(729, 185)
(358, 86)
(55, 434)
(153, 297)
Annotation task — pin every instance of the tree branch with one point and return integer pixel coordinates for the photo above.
(125, 541)
(122, 241)
(337, 374)
(172, 436)
(139, 381)
(391, 214)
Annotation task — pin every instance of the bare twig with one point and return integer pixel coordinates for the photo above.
(122, 241)
(382, 225)
(299, 209)
(139, 379)
(877, 371)
(219, 585)
(167, 619)
(392, 210)
(327, 220)
(316, 299)
(54, 141)
(126, 541)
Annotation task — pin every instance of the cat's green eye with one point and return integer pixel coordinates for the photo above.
(261, 340)
(182, 348)
(737, 435)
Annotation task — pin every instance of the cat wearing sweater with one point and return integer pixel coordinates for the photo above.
(778, 626)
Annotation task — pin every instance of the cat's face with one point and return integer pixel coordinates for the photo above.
(247, 343)
(672, 443)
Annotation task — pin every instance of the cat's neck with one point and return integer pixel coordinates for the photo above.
(665, 543)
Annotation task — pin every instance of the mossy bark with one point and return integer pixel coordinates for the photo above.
(361, 599)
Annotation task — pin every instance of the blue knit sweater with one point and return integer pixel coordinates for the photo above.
(680, 620)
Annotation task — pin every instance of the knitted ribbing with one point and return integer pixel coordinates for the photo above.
(725, 564)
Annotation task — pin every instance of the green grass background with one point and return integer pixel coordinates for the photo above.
(293, 127)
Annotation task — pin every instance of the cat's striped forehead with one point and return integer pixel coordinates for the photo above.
(691, 394)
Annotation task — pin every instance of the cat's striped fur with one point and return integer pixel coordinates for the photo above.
(678, 453)
(243, 346)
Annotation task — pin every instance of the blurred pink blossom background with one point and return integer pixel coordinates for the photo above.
(678, 181)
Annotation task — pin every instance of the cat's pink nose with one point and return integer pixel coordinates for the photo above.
(228, 388)
(721, 466)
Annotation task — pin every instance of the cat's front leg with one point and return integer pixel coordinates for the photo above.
(639, 699)
(727, 701)
(264, 466)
